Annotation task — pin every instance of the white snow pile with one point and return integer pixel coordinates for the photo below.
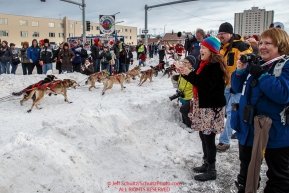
(131, 136)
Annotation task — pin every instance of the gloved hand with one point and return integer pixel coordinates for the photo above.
(256, 70)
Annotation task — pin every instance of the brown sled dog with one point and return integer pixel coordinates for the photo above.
(58, 87)
(111, 80)
(145, 75)
(95, 77)
(132, 73)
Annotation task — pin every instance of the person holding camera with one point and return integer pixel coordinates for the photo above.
(5, 57)
(15, 60)
(265, 89)
(105, 59)
(162, 50)
(231, 47)
(26, 65)
(184, 91)
(208, 104)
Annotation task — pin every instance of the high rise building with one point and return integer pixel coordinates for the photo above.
(253, 21)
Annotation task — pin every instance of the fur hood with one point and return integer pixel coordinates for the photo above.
(66, 44)
(25, 44)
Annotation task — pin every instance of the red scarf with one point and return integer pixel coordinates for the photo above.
(200, 69)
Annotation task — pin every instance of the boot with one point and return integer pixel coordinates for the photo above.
(211, 174)
(241, 188)
(201, 169)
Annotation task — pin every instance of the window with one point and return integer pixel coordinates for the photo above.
(35, 34)
(121, 30)
(97, 27)
(35, 23)
(51, 24)
(3, 33)
(61, 25)
(3, 21)
(24, 34)
(91, 27)
(89, 34)
(130, 30)
(130, 37)
(23, 22)
(51, 34)
(70, 35)
(125, 37)
(125, 30)
(71, 25)
(61, 35)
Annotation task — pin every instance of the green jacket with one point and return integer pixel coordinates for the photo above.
(105, 57)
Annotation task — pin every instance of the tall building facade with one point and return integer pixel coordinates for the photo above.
(17, 29)
(253, 21)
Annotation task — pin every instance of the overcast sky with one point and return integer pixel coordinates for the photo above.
(206, 14)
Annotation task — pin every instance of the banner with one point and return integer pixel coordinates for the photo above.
(107, 24)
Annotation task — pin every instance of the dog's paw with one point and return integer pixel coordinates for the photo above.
(70, 102)
(55, 94)
(29, 111)
(49, 94)
(103, 93)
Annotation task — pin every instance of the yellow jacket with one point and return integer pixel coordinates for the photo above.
(186, 87)
(231, 57)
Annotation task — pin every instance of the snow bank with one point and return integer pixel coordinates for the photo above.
(128, 136)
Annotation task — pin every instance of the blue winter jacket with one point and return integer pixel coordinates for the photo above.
(77, 53)
(271, 103)
(33, 53)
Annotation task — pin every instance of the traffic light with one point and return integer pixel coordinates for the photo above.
(43, 0)
(87, 25)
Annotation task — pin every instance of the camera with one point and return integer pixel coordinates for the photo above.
(250, 58)
(188, 37)
(178, 94)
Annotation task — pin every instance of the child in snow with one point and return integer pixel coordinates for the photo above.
(142, 59)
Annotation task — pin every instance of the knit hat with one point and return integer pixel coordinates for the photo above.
(255, 37)
(191, 59)
(96, 41)
(226, 27)
(4, 41)
(41, 41)
(212, 43)
(46, 40)
(111, 42)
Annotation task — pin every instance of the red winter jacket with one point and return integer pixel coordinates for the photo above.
(179, 49)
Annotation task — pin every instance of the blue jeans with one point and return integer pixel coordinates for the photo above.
(5, 67)
(96, 66)
(141, 62)
(14, 68)
(46, 67)
(106, 66)
(25, 67)
(116, 65)
(124, 67)
(230, 98)
(65, 71)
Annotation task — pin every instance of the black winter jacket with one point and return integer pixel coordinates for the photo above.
(95, 52)
(46, 55)
(125, 57)
(5, 54)
(210, 84)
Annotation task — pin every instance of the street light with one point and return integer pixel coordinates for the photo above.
(116, 13)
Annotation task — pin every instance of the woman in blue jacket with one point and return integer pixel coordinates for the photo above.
(33, 54)
(266, 87)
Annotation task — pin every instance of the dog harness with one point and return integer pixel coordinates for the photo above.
(50, 85)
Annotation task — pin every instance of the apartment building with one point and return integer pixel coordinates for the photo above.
(253, 21)
(17, 29)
